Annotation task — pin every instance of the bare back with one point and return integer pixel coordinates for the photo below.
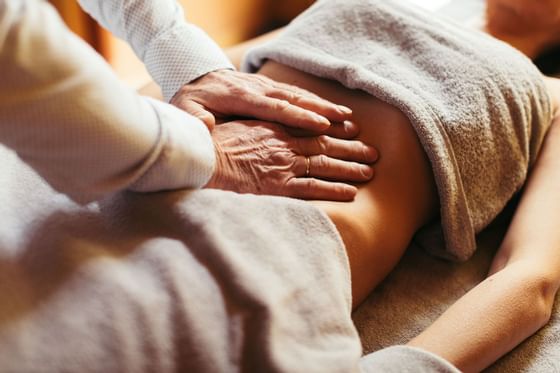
(379, 224)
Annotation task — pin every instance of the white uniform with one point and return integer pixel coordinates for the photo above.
(65, 113)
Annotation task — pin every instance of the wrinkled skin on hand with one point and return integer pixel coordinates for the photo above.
(264, 158)
(226, 93)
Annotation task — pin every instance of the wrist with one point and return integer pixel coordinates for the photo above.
(216, 180)
(183, 156)
(182, 43)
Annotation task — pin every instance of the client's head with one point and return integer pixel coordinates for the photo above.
(520, 16)
(529, 20)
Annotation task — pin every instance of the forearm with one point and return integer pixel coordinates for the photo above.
(66, 114)
(490, 320)
(174, 51)
(516, 300)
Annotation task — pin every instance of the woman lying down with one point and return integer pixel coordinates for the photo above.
(216, 281)
(462, 122)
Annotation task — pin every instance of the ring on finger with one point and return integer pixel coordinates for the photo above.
(307, 166)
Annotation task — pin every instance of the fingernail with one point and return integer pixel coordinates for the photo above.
(324, 121)
(344, 109)
(350, 190)
(350, 126)
(366, 171)
(370, 153)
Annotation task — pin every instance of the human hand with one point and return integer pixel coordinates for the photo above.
(226, 93)
(263, 158)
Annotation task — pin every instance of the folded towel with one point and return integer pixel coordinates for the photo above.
(479, 107)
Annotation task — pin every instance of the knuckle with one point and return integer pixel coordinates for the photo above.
(237, 90)
(282, 105)
(322, 161)
(309, 184)
(357, 170)
(296, 97)
(279, 158)
(257, 101)
(286, 95)
(335, 188)
(339, 189)
(323, 143)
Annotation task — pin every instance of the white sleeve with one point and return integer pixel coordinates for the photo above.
(65, 113)
(174, 51)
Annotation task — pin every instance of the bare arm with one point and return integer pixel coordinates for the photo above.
(516, 299)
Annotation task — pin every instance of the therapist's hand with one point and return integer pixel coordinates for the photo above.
(226, 93)
(264, 158)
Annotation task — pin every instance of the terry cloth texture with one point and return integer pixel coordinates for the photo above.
(203, 281)
(410, 360)
(479, 107)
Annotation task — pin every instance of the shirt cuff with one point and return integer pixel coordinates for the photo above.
(181, 55)
(186, 157)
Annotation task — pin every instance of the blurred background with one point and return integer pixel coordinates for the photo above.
(227, 22)
(231, 22)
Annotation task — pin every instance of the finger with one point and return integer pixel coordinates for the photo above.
(323, 167)
(344, 130)
(309, 101)
(281, 111)
(351, 150)
(197, 110)
(283, 87)
(308, 188)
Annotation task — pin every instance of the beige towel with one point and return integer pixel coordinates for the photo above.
(479, 107)
(207, 281)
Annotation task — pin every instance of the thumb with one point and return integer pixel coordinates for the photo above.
(197, 110)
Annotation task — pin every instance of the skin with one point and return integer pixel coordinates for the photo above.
(226, 93)
(276, 163)
(389, 210)
(516, 299)
(514, 22)
(314, 130)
